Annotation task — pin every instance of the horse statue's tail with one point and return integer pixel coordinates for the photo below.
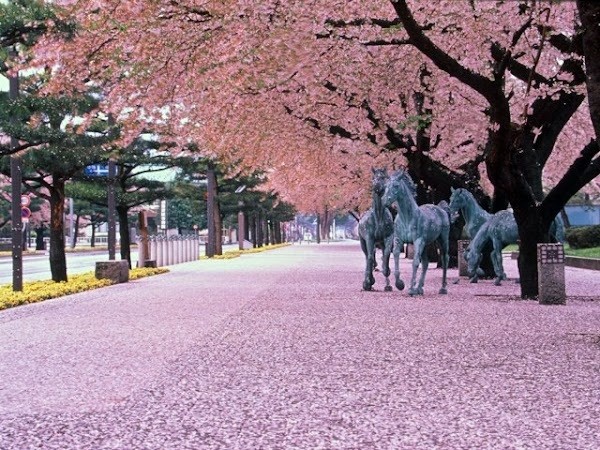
(557, 229)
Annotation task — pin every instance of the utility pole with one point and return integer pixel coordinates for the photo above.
(16, 167)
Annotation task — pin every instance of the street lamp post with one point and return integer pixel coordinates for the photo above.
(241, 219)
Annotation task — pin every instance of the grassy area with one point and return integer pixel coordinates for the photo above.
(37, 291)
(593, 252)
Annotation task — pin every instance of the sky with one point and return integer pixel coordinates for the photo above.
(3, 84)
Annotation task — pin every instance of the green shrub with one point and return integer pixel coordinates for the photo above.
(584, 237)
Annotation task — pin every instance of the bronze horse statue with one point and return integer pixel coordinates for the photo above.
(419, 225)
(499, 228)
(375, 230)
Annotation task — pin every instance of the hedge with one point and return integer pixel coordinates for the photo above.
(584, 237)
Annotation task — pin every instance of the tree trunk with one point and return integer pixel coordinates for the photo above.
(259, 230)
(267, 232)
(529, 233)
(58, 260)
(277, 230)
(247, 228)
(326, 222)
(589, 12)
(218, 230)
(124, 233)
(318, 229)
(74, 241)
(253, 229)
(211, 198)
(93, 237)
(39, 238)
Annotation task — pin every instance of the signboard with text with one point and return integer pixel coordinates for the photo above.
(96, 170)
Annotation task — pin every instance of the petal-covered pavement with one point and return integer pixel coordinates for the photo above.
(282, 350)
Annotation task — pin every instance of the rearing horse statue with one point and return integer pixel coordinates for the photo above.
(419, 225)
(375, 230)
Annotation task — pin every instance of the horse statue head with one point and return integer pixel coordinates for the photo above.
(399, 183)
(380, 179)
(473, 259)
(458, 199)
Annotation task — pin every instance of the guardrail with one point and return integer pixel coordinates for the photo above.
(160, 250)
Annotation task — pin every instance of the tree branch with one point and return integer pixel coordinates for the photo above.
(442, 60)
(583, 170)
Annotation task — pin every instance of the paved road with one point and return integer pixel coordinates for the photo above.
(281, 350)
(37, 267)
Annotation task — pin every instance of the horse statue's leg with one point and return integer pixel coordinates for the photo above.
(397, 247)
(385, 261)
(368, 248)
(419, 247)
(497, 262)
(444, 249)
(424, 267)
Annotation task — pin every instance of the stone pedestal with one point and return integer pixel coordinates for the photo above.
(462, 262)
(116, 271)
(246, 245)
(150, 263)
(551, 274)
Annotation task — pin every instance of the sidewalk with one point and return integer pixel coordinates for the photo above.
(282, 350)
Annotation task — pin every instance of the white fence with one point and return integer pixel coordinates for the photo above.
(168, 250)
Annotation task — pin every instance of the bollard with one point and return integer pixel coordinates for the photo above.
(462, 262)
(551, 274)
(180, 242)
(165, 246)
(159, 252)
(142, 256)
(176, 252)
(152, 248)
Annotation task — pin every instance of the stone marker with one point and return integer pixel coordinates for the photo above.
(551, 274)
(117, 271)
(462, 262)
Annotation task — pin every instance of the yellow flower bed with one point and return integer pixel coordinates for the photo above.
(37, 291)
(237, 253)
(141, 272)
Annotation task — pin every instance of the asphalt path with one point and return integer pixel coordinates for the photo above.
(282, 350)
(37, 267)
